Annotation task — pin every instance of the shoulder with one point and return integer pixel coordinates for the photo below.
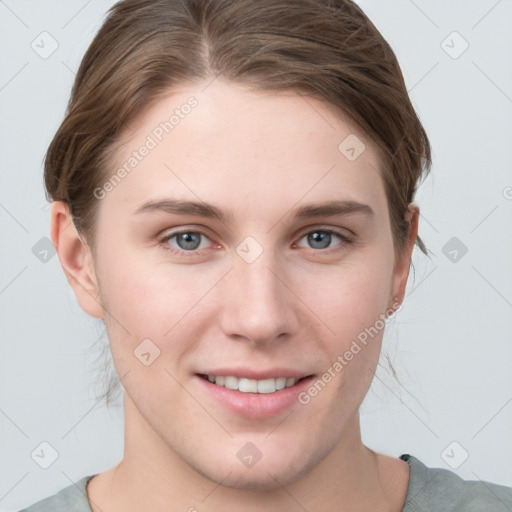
(435, 489)
(70, 499)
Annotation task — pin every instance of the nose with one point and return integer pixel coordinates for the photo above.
(258, 303)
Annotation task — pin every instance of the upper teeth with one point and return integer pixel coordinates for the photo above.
(252, 385)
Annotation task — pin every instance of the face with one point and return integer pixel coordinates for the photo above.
(244, 245)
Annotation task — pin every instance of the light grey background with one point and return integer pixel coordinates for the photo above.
(451, 343)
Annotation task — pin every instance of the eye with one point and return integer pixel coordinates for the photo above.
(184, 241)
(321, 238)
(192, 242)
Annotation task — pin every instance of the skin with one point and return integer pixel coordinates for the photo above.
(260, 155)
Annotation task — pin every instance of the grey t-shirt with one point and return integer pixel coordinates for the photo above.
(430, 490)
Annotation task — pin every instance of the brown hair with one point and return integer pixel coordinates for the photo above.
(327, 49)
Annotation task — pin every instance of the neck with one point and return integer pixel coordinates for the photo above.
(151, 476)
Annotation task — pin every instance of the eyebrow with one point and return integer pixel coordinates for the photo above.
(202, 209)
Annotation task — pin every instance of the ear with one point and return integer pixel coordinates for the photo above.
(76, 259)
(403, 260)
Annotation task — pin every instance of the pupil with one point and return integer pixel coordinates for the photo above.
(188, 241)
(323, 238)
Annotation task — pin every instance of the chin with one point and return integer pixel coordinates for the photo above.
(268, 474)
(252, 480)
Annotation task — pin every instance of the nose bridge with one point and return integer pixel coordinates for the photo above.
(258, 306)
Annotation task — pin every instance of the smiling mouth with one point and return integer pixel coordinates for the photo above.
(244, 385)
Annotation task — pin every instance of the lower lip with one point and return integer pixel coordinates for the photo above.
(255, 405)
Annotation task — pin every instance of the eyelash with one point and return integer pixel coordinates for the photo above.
(180, 252)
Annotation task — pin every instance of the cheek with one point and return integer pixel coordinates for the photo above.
(350, 297)
(352, 303)
(150, 300)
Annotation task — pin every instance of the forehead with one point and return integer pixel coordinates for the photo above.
(249, 150)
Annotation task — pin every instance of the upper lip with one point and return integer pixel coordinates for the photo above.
(248, 373)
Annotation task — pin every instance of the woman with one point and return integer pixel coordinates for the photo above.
(233, 195)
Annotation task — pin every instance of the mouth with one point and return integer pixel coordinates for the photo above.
(246, 385)
(253, 393)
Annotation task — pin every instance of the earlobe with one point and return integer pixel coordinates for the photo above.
(76, 259)
(403, 261)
